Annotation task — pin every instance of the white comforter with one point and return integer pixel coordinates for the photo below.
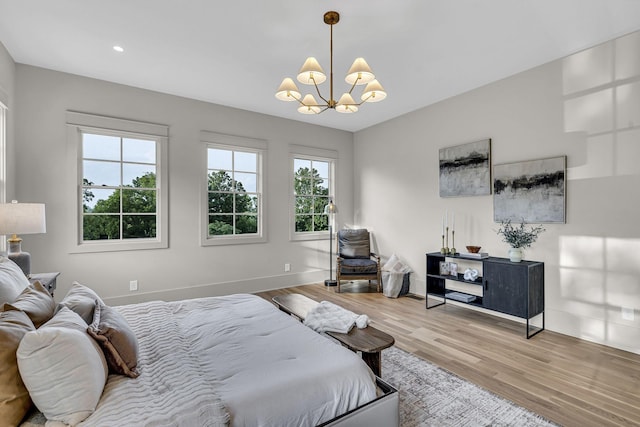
(236, 358)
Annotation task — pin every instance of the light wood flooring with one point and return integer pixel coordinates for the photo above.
(567, 380)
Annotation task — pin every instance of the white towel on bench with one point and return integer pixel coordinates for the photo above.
(329, 317)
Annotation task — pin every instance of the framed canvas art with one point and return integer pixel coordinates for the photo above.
(465, 170)
(531, 191)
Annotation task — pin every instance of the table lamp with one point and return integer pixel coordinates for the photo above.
(21, 218)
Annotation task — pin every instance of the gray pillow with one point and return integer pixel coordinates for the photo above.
(82, 300)
(119, 344)
(36, 301)
(12, 280)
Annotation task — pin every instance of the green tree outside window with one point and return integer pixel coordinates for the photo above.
(311, 196)
(106, 221)
(232, 209)
(119, 187)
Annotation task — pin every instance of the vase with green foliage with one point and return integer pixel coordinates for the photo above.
(518, 237)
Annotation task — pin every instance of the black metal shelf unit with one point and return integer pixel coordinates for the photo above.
(516, 289)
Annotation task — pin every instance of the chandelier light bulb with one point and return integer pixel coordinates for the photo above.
(373, 92)
(346, 104)
(311, 72)
(309, 105)
(288, 91)
(360, 73)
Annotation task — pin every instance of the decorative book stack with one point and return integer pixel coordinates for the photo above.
(459, 296)
(477, 255)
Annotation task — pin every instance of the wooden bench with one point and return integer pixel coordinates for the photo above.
(369, 341)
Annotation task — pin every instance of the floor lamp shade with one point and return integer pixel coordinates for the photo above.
(21, 218)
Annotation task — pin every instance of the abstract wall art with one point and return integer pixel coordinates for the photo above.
(465, 170)
(532, 191)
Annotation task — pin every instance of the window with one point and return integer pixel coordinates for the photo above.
(3, 151)
(234, 202)
(233, 193)
(121, 202)
(313, 187)
(119, 191)
(3, 162)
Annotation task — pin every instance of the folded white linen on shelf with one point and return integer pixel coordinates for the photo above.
(329, 317)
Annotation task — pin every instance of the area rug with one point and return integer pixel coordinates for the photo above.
(432, 396)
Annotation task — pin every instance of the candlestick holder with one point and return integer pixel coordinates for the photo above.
(443, 250)
(446, 242)
(452, 251)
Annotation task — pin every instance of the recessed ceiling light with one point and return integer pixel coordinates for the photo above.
(119, 49)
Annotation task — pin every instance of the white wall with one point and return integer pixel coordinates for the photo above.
(185, 269)
(587, 107)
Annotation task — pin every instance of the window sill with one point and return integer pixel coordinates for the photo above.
(115, 246)
(235, 240)
(302, 237)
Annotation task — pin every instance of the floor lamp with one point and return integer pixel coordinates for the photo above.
(330, 210)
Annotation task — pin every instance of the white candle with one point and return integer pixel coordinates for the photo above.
(446, 218)
(453, 227)
(443, 225)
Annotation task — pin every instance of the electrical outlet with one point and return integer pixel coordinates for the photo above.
(133, 285)
(627, 313)
(287, 267)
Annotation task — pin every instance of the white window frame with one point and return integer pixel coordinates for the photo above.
(3, 161)
(233, 143)
(79, 123)
(315, 154)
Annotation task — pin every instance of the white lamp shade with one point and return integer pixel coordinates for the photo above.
(331, 208)
(22, 218)
(346, 104)
(359, 73)
(288, 91)
(311, 72)
(309, 105)
(373, 92)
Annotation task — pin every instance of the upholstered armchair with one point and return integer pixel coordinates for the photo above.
(355, 259)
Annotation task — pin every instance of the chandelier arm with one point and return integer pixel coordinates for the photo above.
(297, 99)
(319, 94)
(353, 86)
(364, 100)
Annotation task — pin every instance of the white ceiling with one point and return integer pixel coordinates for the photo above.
(236, 53)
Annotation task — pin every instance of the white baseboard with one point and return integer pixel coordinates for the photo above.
(253, 285)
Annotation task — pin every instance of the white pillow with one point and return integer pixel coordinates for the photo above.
(12, 280)
(63, 368)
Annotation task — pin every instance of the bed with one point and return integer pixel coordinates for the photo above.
(233, 360)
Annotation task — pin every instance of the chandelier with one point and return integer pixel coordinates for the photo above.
(312, 73)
